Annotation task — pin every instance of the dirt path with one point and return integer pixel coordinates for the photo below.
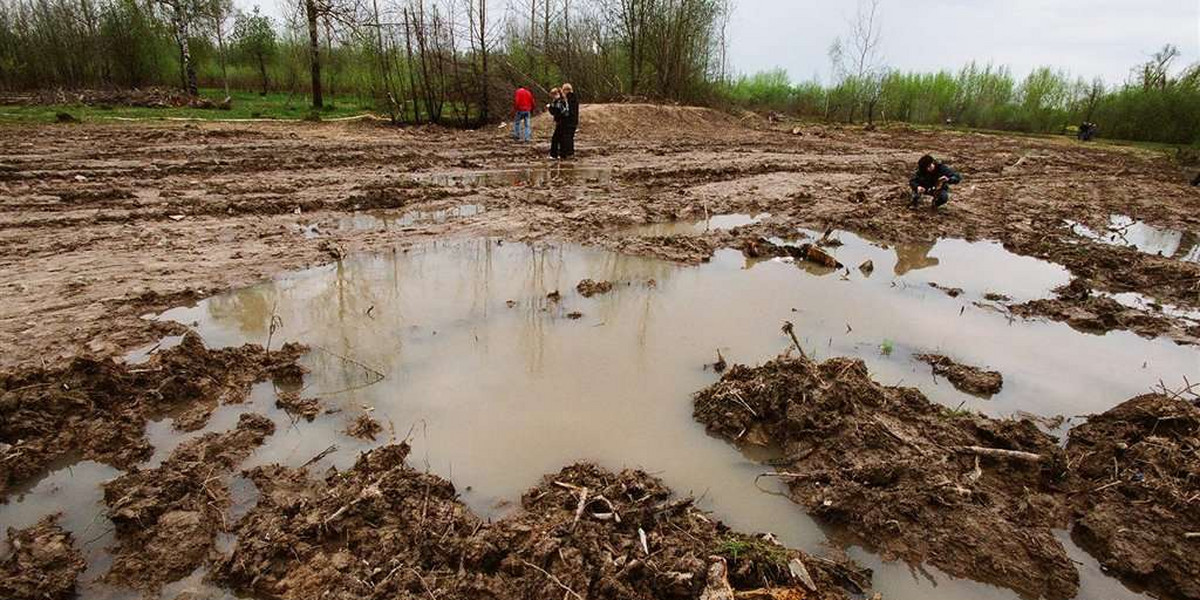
(100, 224)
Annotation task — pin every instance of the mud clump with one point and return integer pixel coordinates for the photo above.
(364, 427)
(902, 474)
(965, 378)
(97, 409)
(588, 288)
(384, 530)
(167, 518)
(42, 564)
(294, 404)
(1137, 513)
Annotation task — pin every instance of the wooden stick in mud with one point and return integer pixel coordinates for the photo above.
(1001, 453)
(790, 329)
(1191, 535)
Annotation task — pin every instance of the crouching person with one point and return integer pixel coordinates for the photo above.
(932, 178)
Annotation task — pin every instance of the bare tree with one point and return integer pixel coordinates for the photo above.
(856, 61)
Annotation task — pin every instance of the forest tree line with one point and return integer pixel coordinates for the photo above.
(457, 61)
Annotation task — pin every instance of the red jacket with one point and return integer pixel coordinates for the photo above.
(523, 102)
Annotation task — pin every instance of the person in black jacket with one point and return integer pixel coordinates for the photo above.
(933, 178)
(558, 109)
(570, 121)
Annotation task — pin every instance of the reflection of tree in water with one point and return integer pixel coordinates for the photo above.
(247, 309)
(910, 257)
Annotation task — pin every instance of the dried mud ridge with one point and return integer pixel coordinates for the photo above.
(43, 563)
(97, 408)
(974, 496)
(965, 378)
(385, 530)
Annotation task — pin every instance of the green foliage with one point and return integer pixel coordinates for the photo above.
(887, 347)
(753, 550)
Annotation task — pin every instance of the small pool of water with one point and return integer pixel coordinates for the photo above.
(552, 174)
(1126, 231)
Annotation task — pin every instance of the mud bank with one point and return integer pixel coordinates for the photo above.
(383, 529)
(42, 564)
(167, 519)
(1137, 504)
(97, 408)
(974, 496)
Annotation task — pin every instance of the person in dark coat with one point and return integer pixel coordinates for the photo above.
(933, 178)
(570, 121)
(558, 109)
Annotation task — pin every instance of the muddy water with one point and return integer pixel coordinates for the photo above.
(529, 176)
(1126, 231)
(495, 385)
(713, 223)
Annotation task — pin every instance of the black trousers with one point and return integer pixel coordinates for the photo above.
(556, 141)
(941, 196)
(568, 141)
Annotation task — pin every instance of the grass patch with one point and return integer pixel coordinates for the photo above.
(957, 412)
(751, 549)
(245, 105)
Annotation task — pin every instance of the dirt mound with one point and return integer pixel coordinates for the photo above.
(97, 409)
(644, 120)
(1138, 513)
(42, 565)
(974, 496)
(167, 518)
(384, 530)
(966, 378)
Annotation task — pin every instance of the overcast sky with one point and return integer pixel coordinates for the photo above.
(1085, 37)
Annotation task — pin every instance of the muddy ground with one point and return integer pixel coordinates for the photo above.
(976, 496)
(903, 474)
(102, 223)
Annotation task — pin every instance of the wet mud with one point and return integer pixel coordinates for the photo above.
(101, 225)
(971, 495)
(1136, 503)
(167, 518)
(383, 529)
(95, 408)
(42, 563)
(966, 378)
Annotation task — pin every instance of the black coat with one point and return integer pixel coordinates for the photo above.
(571, 119)
(927, 180)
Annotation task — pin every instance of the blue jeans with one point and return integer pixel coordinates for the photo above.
(522, 118)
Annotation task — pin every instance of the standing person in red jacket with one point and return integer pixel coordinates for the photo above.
(523, 106)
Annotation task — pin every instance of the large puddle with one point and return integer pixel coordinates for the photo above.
(497, 385)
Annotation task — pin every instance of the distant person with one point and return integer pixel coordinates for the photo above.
(523, 107)
(933, 178)
(558, 109)
(1087, 130)
(570, 121)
